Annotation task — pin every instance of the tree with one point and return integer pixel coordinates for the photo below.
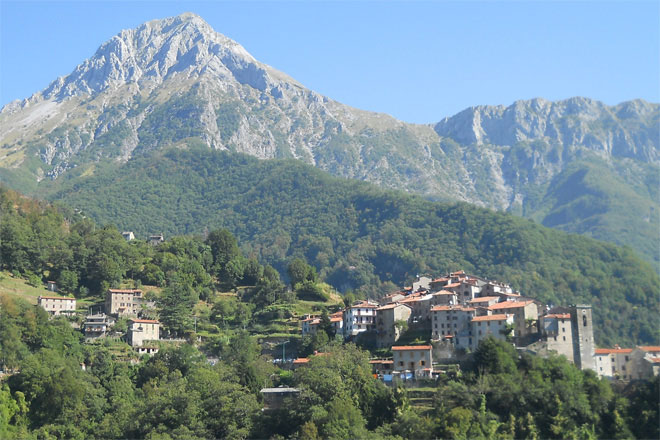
(299, 272)
(224, 247)
(175, 306)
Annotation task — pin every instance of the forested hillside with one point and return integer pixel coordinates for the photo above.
(54, 385)
(363, 238)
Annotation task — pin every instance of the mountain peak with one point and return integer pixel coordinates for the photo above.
(185, 46)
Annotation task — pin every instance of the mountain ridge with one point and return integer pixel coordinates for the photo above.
(177, 82)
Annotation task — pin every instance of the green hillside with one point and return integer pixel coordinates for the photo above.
(364, 238)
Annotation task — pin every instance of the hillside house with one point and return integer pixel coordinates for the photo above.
(525, 315)
(387, 330)
(276, 398)
(337, 321)
(486, 326)
(310, 325)
(612, 362)
(57, 305)
(360, 317)
(126, 302)
(97, 326)
(420, 304)
(128, 235)
(556, 329)
(155, 240)
(416, 359)
(443, 298)
(451, 321)
(141, 330)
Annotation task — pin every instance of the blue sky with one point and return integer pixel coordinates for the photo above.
(418, 61)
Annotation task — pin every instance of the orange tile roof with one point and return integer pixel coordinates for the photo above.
(440, 308)
(381, 361)
(301, 361)
(57, 297)
(412, 347)
(124, 290)
(613, 350)
(490, 318)
(655, 360)
(444, 292)
(558, 316)
(336, 319)
(388, 306)
(510, 305)
(145, 321)
(437, 280)
(651, 348)
(453, 285)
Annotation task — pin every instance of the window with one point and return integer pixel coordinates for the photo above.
(627, 358)
(564, 337)
(400, 363)
(422, 363)
(563, 329)
(584, 320)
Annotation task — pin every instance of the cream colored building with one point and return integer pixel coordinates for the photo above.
(525, 315)
(486, 326)
(360, 317)
(123, 302)
(141, 330)
(414, 358)
(57, 305)
(557, 329)
(451, 321)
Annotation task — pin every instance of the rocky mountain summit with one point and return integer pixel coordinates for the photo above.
(625, 130)
(576, 164)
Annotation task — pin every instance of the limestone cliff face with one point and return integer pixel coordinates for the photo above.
(177, 82)
(625, 130)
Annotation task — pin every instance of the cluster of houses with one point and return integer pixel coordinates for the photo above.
(458, 311)
(131, 303)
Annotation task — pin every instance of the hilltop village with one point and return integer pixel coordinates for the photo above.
(454, 313)
(449, 315)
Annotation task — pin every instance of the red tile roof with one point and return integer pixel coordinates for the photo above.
(412, 347)
(613, 350)
(57, 297)
(453, 285)
(444, 292)
(510, 305)
(388, 306)
(145, 321)
(440, 308)
(651, 348)
(301, 361)
(336, 319)
(558, 316)
(490, 318)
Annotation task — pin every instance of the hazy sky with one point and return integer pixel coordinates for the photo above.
(418, 61)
